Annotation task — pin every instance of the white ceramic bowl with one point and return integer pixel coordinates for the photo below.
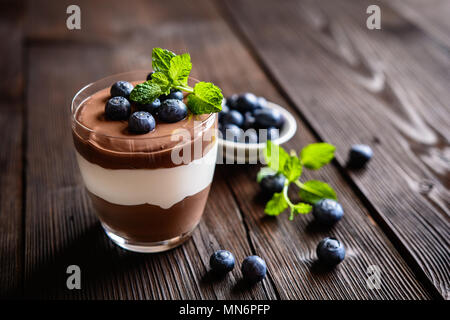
(238, 152)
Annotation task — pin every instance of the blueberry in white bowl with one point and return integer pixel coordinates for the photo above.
(117, 108)
(330, 251)
(254, 269)
(222, 261)
(172, 110)
(233, 117)
(327, 211)
(224, 111)
(249, 136)
(121, 89)
(141, 122)
(266, 118)
(247, 102)
(231, 132)
(231, 101)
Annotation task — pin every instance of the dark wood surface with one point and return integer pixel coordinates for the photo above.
(314, 58)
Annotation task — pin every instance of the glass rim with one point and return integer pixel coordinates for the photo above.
(74, 109)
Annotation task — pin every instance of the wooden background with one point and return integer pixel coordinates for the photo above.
(344, 83)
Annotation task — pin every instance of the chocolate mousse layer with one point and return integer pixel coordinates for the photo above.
(110, 144)
(149, 223)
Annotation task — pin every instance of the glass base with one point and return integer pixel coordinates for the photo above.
(146, 247)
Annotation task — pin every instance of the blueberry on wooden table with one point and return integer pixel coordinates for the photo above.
(172, 110)
(121, 89)
(141, 122)
(359, 155)
(117, 108)
(254, 269)
(272, 183)
(330, 251)
(152, 107)
(328, 211)
(222, 261)
(174, 94)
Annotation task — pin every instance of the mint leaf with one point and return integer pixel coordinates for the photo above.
(302, 208)
(276, 205)
(180, 68)
(292, 168)
(264, 172)
(162, 81)
(275, 156)
(145, 93)
(207, 98)
(316, 155)
(313, 190)
(161, 60)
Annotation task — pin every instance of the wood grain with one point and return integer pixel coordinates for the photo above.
(61, 230)
(385, 88)
(11, 142)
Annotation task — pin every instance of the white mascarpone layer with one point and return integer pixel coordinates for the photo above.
(163, 187)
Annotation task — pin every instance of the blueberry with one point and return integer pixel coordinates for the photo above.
(231, 132)
(223, 112)
(149, 76)
(231, 101)
(272, 184)
(122, 89)
(328, 211)
(359, 155)
(249, 136)
(330, 251)
(233, 117)
(172, 110)
(174, 94)
(247, 102)
(254, 269)
(151, 107)
(141, 122)
(262, 103)
(249, 121)
(222, 261)
(266, 117)
(117, 108)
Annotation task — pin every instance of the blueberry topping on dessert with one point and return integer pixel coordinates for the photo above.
(359, 155)
(231, 101)
(150, 107)
(328, 211)
(141, 122)
(233, 117)
(272, 183)
(174, 94)
(330, 251)
(172, 110)
(222, 261)
(121, 89)
(266, 118)
(254, 269)
(231, 132)
(250, 136)
(247, 102)
(117, 108)
(149, 76)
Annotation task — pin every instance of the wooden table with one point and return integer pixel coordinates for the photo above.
(345, 84)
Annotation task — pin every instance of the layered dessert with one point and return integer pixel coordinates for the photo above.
(147, 167)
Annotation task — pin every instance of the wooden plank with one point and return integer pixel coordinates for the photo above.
(385, 88)
(431, 16)
(60, 227)
(217, 56)
(11, 131)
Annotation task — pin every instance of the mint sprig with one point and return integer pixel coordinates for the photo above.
(172, 72)
(313, 156)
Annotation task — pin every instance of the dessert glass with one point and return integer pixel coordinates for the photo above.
(148, 191)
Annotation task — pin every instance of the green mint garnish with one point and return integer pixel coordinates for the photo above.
(313, 156)
(172, 72)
